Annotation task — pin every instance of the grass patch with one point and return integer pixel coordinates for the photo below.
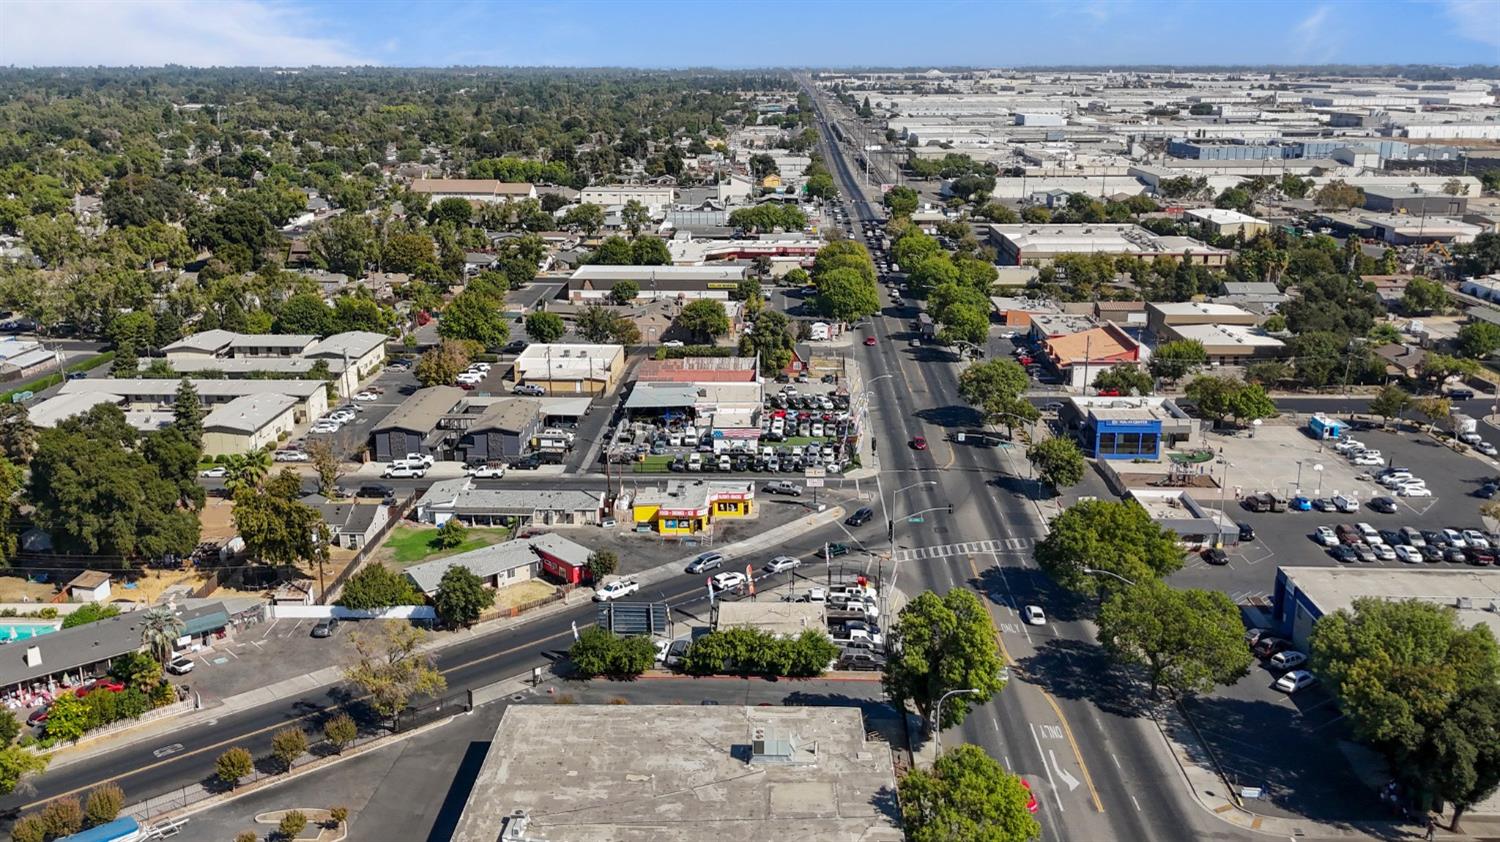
(654, 464)
(800, 441)
(409, 546)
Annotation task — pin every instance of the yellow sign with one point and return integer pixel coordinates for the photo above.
(723, 285)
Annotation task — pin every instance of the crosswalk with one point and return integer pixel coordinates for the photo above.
(997, 545)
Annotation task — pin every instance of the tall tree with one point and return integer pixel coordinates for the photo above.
(391, 668)
(475, 317)
(439, 366)
(17, 433)
(624, 292)
(462, 597)
(846, 295)
(188, 412)
(1174, 360)
(544, 327)
(704, 319)
(1478, 339)
(278, 529)
(160, 630)
(1125, 378)
(1115, 537)
(1390, 403)
(966, 797)
(943, 643)
(993, 386)
(634, 217)
(1058, 462)
(771, 340)
(1189, 641)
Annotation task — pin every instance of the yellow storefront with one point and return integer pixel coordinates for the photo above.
(686, 508)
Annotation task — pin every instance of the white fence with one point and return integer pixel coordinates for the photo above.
(319, 612)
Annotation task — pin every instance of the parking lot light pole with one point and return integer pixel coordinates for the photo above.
(937, 718)
(1093, 571)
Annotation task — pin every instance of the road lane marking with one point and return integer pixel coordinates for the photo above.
(1068, 779)
(1136, 803)
(1056, 793)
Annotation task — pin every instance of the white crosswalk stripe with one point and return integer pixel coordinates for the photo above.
(966, 548)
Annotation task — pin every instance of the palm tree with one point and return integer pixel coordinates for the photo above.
(160, 629)
(246, 470)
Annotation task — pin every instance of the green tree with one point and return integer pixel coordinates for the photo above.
(475, 317)
(544, 327)
(67, 718)
(188, 412)
(586, 217)
(1423, 296)
(596, 323)
(1461, 760)
(624, 292)
(771, 340)
(1174, 360)
(89, 613)
(1338, 195)
(614, 251)
(462, 597)
(453, 210)
(601, 563)
(406, 253)
(280, 530)
(1125, 378)
(340, 731)
(1189, 641)
(287, 745)
(451, 534)
(845, 295)
(704, 319)
(1479, 258)
(160, 630)
(10, 728)
(338, 815)
(634, 217)
(600, 652)
(1235, 198)
(1434, 409)
(103, 805)
(964, 323)
(941, 644)
(17, 433)
(650, 251)
(1390, 403)
(306, 313)
(326, 464)
(993, 386)
(1058, 462)
(439, 366)
(966, 797)
(901, 200)
(17, 764)
(1478, 339)
(1294, 187)
(1114, 537)
(391, 668)
(377, 586)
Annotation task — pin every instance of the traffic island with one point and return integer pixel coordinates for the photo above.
(318, 825)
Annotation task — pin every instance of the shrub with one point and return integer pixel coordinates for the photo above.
(340, 731)
(600, 652)
(103, 804)
(90, 613)
(750, 651)
(9, 728)
(62, 817)
(287, 745)
(337, 816)
(292, 824)
(28, 829)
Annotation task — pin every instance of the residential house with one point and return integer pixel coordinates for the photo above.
(413, 426)
(480, 190)
(351, 524)
(503, 432)
(508, 563)
(451, 498)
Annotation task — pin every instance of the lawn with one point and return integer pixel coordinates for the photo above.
(654, 464)
(409, 546)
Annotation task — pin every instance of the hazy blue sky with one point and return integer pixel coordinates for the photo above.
(745, 34)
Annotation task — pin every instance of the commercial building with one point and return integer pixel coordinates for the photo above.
(1404, 230)
(506, 563)
(1305, 595)
(251, 422)
(1227, 223)
(21, 358)
(504, 431)
(414, 425)
(683, 283)
(486, 190)
(1161, 317)
(1392, 199)
(675, 773)
(1079, 357)
(614, 195)
(1195, 524)
(1024, 243)
(571, 369)
(459, 498)
(697, 370)
(1127, 427)
(684, 507)
(1231, 344)
(796, 250)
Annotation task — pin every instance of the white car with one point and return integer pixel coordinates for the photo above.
(1288, 659)
(616, 589)
(366, 396)
(728, 580)
(1347, 505)
(471, 378)
(215, 472)
(1349, 446)
(1327, 537)
(1365, 459)
(1363, 454)
(1384, 552)
(291, 456)
(1033, 615)
(1408, 554)
(1455, 539)
(485, 471)
(1294, 681)
(1476, 539)
(483, 368)
(781, 563)
(1368, 532)
(395, 471)
(424, 458)
(181, 665)
(1413, 491)
(1487, 449)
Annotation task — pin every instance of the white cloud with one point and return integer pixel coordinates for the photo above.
(1312, 37)
(1475, 20)
(157, 32)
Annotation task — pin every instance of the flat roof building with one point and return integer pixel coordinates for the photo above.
(1229, 344)
(251, 422)
(571, 369)
(594, 283)
(1024, 243)
(605, 773)
(487, 190)
(1305, 595)
(1227, 223)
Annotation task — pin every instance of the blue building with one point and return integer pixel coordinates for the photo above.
(1202, 150)
(1127, 427)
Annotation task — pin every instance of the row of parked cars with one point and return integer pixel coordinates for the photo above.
(1363, 542)
(1280, 655)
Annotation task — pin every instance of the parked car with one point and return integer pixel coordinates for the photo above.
(783, 487)
(291, 456)
(1268, 646)
(1326, 536)
(1365, 552)
(1294, 681)
(1216, 557)
(1288, 659)
(1347, 505)
(1384, 505)
(528, 389)
(402, 471)
(325, 627)
(1344, 553)
(215, 472)
(1247, 532)
(706, 562)
(1300, 504)
(1409, 555)
(181, 665)
(1413, 491)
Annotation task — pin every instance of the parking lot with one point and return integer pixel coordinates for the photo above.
(264, 653)
(394, 384)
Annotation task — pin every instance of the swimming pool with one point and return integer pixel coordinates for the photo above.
(16, 630)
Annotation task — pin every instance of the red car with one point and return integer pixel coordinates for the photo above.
(1109, 393)
(102, 684)
(918, 443)
(1026, 361)
(1031, 805)
(869, 340)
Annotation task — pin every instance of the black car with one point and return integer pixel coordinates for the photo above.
(1247, 532)
(527, 463)
(1216, 557)
(515, 346)
(379, 492)
(1461, 394)
(861, 516)
(1430, 553)
(1454, 555)
(831, 551)
(1487, 491)
(1344, 553)
(1384, 505)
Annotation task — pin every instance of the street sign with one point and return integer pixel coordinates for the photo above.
(916, 519)
(814, 482)
(815, 473)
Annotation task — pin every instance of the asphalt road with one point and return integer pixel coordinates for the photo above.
(1064, 722)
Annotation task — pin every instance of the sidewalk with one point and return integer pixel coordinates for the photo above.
(1212, 792)
(301, 684)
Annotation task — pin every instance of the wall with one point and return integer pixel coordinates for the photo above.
(309, 612)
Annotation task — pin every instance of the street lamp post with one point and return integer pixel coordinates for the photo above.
(937, 718)
(1091, 571)
(890, 539)
(1318, 469)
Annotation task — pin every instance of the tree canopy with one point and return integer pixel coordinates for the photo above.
(1189, 641)
(942, 643)
(966, 795)
(1115, 537)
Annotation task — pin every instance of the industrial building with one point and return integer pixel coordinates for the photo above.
(682, 773)
(1025, 243)
(570, 369)
(594, 283)
(1227, 223)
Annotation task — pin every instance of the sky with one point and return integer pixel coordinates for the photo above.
(732, 34)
